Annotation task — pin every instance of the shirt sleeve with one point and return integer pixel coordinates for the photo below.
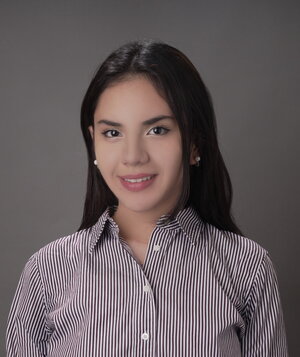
(26, 326)
(265, 330)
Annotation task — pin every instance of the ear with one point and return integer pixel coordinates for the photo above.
(91, 130)
(194, 154)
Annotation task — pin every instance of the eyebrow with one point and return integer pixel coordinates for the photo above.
(146, 122)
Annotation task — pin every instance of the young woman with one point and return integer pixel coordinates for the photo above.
(157, 267)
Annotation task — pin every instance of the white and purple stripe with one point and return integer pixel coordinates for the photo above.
(200, 292)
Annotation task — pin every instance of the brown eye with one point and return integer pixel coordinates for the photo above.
(107, 131)
(158, 131)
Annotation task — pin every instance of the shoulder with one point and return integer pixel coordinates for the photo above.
(236, 258)
(63, 248)
(55, 264)
(233, 246)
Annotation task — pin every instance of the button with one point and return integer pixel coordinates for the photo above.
(156, 247)
(146, 288)
(145, 336)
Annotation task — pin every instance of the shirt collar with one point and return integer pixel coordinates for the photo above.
(187, 220)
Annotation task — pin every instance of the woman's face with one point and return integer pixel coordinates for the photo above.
(128, 146)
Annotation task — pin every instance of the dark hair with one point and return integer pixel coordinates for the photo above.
(207, 187)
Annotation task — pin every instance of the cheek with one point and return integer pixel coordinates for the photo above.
(171, 153)
(106, 154)
(169, 160)
(106, 165)
(170, 146)
(106, 161)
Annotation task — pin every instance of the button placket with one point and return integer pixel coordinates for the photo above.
(154, 256)
(147, 293)
(149, 323)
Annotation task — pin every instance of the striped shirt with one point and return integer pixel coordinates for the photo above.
(200, 292)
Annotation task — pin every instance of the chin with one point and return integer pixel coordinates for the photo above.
(140, 205)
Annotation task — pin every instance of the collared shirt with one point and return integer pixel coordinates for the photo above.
(200, 292)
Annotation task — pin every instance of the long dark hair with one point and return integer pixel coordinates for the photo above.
(208, 187)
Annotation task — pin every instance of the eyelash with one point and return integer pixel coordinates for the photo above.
(106, 131)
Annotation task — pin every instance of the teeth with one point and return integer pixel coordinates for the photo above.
(139, 180)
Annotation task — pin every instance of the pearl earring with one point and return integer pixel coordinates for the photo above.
(198, 159)
(95, 162)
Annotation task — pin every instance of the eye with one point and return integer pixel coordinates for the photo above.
(107, 131)
(114, 135)
(161, 127)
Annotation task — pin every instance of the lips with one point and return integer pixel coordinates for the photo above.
(137, 186)
(136, 176)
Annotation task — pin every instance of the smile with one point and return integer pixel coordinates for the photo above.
(139, 184)
(139, 180)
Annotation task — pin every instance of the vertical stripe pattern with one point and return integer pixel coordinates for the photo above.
(200, 292)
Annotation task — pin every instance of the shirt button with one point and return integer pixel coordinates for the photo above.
(146, 288)
(156, 247)
(145, 336)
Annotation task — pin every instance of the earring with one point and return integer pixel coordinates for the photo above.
(95, 162)
(198, 159)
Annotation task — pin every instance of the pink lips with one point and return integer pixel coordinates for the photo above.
(136, 176)
(136, 186)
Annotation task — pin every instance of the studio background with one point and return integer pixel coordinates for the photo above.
(247, 53)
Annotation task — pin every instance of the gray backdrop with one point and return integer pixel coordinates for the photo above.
(247, 54)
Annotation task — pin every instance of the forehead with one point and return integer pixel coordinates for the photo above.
(135, 94)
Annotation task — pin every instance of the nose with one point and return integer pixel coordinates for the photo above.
(134, 152)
